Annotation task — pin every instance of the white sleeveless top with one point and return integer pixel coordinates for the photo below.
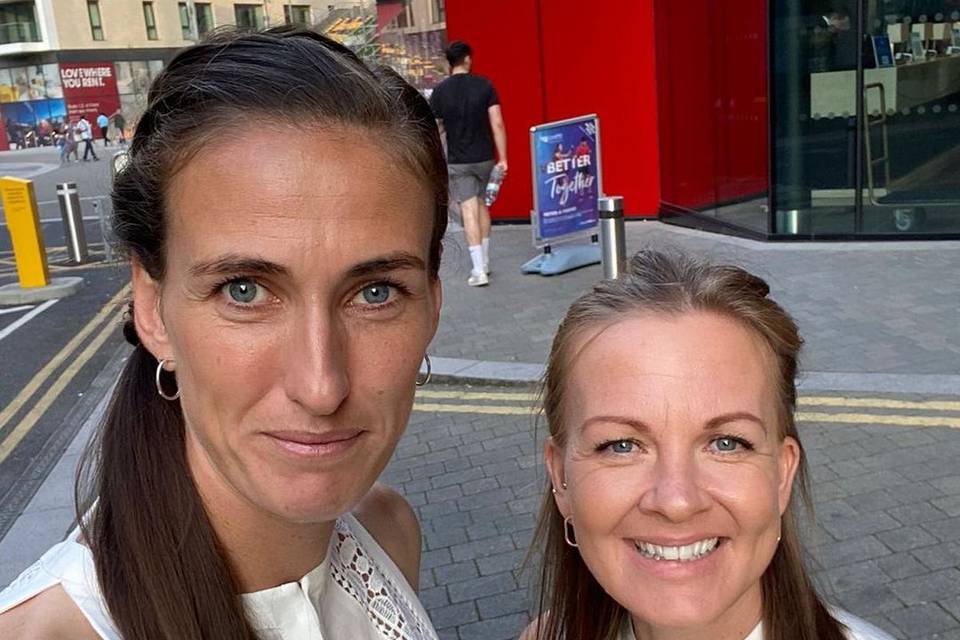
(857, 629)
(357, 592)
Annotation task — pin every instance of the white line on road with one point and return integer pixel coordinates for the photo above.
(27, 318)
(16, 309)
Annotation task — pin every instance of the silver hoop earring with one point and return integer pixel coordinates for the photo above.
(160, 386)
(420, 383)
(568, 532)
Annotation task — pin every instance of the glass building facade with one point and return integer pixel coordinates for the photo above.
(852, 129)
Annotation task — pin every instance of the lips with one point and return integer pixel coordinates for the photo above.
(310, 438)
(678, 553)
(312, 445)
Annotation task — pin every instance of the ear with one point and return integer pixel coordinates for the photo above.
(146, 312)
(789, 462)
(553, 457)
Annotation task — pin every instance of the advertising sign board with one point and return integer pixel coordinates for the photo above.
(566, 178)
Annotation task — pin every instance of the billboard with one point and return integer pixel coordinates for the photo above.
(89, 88)
(566, 178)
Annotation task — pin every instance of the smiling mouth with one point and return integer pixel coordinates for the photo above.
(685, 553)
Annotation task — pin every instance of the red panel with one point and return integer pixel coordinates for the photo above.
(712, 66)
(602, 60)
(90, 88)
(504, 35)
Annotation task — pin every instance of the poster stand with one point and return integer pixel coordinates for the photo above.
(557, 260)
(567, 186)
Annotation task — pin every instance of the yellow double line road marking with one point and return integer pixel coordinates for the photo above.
(803, 415)
(16, 435)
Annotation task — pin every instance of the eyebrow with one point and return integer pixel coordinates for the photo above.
(393, 262)
(236, 263)
(712, 425)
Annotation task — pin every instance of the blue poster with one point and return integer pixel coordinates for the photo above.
(566, 177)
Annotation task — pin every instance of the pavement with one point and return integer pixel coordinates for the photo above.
(880, 417)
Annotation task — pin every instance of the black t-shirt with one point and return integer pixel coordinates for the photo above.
(461, 102)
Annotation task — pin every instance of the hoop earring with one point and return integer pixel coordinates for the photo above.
(568, 530)
(420, 383)
(160, 386)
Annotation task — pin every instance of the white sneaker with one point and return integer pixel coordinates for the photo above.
(486, 269)
(478, 280)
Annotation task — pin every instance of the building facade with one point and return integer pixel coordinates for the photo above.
(60, 59)
(780, 119)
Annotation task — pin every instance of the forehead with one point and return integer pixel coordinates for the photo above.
(317, 196)
(657, 367)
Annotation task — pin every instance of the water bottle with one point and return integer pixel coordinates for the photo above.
(493, 186)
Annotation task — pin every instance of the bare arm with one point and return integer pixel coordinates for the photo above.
(499, 134)
(50, 615)
(390, 519)
(443, 136)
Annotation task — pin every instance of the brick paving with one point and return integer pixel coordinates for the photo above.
(889, 307)
(886, 545)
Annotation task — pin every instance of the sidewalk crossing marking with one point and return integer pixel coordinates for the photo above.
(524, 403)
(41, 377)
(36, 412)
(802, 401)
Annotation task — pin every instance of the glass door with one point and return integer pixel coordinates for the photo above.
(911, 120)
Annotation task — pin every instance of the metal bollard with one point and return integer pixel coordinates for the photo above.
(613, 243)
(72, 215)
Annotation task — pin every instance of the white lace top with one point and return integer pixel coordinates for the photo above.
(357, 592)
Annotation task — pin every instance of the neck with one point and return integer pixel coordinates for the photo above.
(263, 549)
(459, 69)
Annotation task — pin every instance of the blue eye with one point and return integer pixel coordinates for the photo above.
(621, 446)
(729, 444)
(243, 291)
(377, 293)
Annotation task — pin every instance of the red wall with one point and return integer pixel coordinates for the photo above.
(553, 59)
(712, 64)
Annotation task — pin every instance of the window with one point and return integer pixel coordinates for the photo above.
(439, 11)
(96, 26)
(150, 20)
(185, 29)
(18, 23)
(204, 18)
(405, 18)
(249, 16)
(298, 14)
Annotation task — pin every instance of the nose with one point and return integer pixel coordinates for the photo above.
(675, 490)
(315, 367)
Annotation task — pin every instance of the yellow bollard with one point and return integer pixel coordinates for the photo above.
(23, 222)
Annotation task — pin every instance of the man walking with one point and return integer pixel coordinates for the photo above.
(86, 134)
(468, 111)
(104, 123)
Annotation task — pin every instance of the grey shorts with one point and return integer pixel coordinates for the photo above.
(469, 180)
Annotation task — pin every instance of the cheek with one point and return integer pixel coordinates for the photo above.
(600, 498)
(748, 492)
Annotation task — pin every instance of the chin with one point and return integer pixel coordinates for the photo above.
(321, 500)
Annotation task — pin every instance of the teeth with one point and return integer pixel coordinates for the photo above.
(686, 553)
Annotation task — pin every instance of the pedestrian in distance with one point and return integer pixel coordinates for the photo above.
(70, 146)
(86, 135)
(120, 123)
(468, 111)
(282, 307)
(675, 471)
(104, 123)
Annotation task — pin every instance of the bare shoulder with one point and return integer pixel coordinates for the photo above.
(50, 615)
(391, 521)
(532, 632)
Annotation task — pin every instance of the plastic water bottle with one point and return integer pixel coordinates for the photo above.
(493, 186)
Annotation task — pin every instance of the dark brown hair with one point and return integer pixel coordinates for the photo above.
(159, 562)
(572, 605)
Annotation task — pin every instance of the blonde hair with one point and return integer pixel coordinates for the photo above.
(572, 605)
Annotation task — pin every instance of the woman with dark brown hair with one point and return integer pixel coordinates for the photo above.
(675, 466)
(283, 299)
